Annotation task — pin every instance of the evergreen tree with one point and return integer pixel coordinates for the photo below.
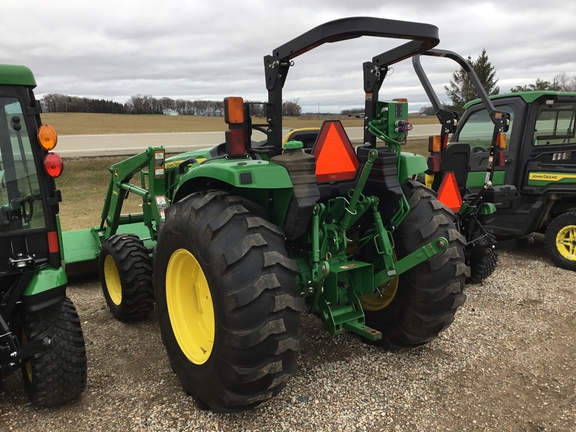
(460, 91)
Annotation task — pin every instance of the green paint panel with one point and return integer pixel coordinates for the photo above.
(84, 245)
(476, 179)
(410, 164)
(46, 279)
(249, 174)
(80, 245)
(529, 96)
(16, 75)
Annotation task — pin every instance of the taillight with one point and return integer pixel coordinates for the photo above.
(235, 141)
(53, 245)
(53, 165)
(236, 135)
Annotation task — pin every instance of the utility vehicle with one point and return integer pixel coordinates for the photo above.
(533, 181)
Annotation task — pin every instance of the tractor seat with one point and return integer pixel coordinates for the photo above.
(307, 136)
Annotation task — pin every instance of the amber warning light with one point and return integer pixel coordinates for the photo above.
(47, 137)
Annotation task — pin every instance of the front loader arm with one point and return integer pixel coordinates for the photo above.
(119, 187)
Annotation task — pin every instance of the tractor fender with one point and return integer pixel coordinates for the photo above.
(45, 289)
(552, 202)
(246, 177)
(556, 201)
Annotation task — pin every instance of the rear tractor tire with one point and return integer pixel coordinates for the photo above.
(126, 277)
(57, 375)
(560, 241)
(420, 303)
(227, 301)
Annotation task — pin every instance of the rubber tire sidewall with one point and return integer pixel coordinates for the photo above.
(430, 293)
(188, 227)
(59, 373)
(482, 266)
(134, 267)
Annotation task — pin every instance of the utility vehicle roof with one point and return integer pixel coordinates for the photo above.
(528, 96)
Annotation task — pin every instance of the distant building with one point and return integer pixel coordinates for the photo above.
(170, 112)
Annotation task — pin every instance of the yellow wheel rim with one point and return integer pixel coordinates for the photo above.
(566, 242)
(190, 306)
(378, 301)
(112, 277)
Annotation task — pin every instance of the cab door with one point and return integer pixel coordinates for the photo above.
(476, 130)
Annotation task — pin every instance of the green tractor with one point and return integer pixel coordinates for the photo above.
(234, 242)
(532, 163)
(40, 333)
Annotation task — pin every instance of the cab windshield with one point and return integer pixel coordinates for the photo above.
(20, 198)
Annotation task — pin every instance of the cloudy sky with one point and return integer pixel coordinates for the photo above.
(197, 49)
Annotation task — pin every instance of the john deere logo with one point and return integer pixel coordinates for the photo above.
(116, 172)
(551, 177)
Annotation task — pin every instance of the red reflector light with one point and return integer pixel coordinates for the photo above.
(53, 165)
(235, 141)
(449, 194)
(434, 163)
(53, 245)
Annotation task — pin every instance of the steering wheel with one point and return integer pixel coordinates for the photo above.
(26, 207)
(478, 149)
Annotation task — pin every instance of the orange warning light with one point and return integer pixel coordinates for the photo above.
(449, 194)
(335, 157)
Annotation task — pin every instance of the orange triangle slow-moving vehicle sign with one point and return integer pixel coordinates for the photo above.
(335, 157)
(449, 194)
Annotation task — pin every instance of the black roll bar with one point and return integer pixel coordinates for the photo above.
(422, 38)
(497, 120)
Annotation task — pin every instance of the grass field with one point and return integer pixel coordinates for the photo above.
(90, 124)
(85, 180)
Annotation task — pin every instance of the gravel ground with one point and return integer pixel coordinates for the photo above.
(507, 364)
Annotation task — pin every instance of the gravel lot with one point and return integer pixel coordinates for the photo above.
(507, 363)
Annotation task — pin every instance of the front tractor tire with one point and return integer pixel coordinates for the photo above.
(227, 301)
(58, 374)
(560, 241)
(126, 277)
(415, 307)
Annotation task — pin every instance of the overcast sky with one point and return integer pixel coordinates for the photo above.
(194, 49)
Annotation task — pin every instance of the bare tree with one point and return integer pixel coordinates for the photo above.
(291, 108)
(565, 83)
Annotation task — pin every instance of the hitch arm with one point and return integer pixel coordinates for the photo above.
(351, 208)
(412, 260)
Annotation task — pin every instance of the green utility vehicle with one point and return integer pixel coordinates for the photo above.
(533, 181)
(40, 332)
(248, 235)
(534, 185)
